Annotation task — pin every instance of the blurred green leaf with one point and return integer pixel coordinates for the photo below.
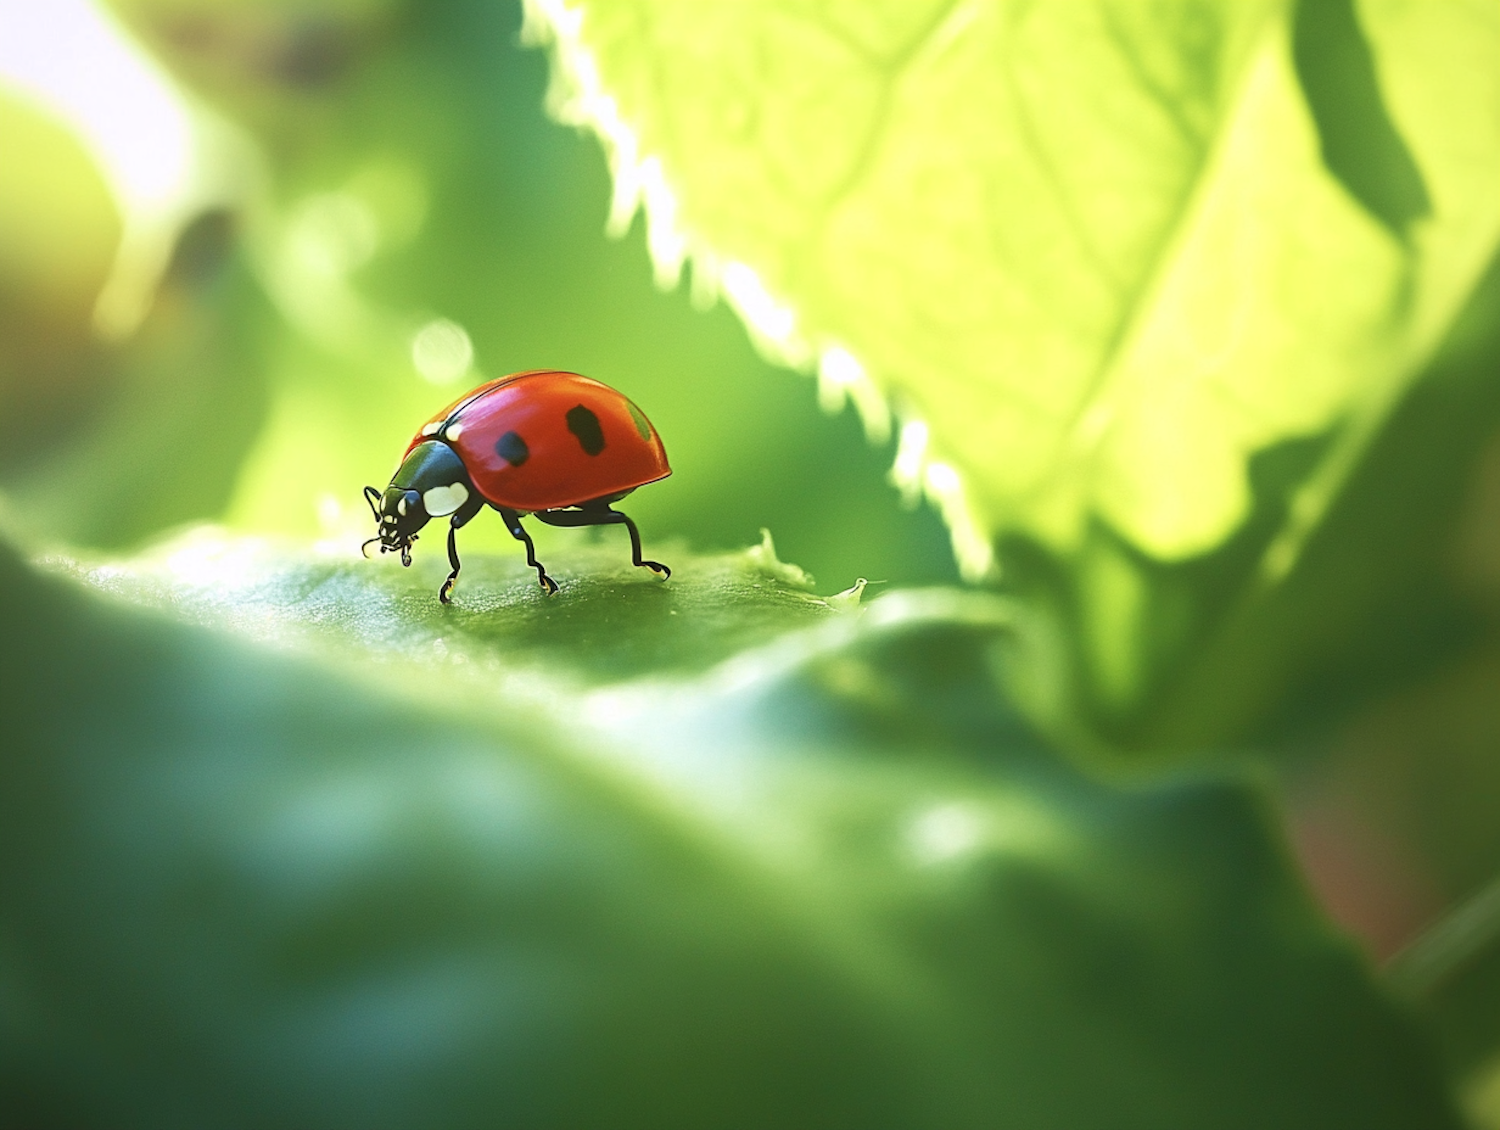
(1415, 778)
(1208, 289)
(1154, 278)
(106, 440)
(1212, 652)
(336, 855)
(161, 441)
(58, 234)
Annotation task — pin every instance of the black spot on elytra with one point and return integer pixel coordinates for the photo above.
(512, 448)
(585, 425)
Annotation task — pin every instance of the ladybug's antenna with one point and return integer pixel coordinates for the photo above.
(365, 549)
(372, 496)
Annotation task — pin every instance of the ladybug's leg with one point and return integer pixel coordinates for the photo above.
(599, 514)
(513, 524)
(445, 594)
(460, 518)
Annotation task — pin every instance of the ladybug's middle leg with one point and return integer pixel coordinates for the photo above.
(513, 524)
(599, 514)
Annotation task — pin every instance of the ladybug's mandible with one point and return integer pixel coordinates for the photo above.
(553, 444)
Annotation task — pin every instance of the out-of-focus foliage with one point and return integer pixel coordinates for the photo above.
(106, 442)
(1153, 276)
(1215, 650)
(415, 177)
(58, 230)
(398, 882)
(1420, 769)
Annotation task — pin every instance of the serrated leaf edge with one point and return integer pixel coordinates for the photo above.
(576, 97)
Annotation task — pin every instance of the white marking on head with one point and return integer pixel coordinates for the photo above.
(454, 431)
(445, 500)
(431, 428)
(401, 506)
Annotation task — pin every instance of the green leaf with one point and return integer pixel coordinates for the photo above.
(1094, 247)
(156, 435)
(58, 231)
(1213, 652)
(304, 847)
(1148, 285)
(1413, 780)
(105, 440)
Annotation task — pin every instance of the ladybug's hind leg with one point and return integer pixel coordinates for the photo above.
(599, 514)
(513, 524)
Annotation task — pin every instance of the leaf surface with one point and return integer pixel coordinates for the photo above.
(281, 858)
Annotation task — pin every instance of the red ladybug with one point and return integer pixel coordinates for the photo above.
(553, 444)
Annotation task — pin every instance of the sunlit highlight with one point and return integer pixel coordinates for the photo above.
(332, 233)
(75, 60)
(772, 324)
(207, 558)
(837, 370)
(951, 833)
(308, 263)
(944, 832)
(911, 454)
(841, 377)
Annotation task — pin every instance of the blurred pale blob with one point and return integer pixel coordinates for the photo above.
(59, 229)
(70, 55)
(442, 352)
(58, 223)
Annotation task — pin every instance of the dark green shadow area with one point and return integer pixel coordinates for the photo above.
(1360, 143)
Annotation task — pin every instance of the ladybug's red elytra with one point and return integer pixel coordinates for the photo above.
(547, 443)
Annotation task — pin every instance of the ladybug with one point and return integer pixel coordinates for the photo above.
(556, 445)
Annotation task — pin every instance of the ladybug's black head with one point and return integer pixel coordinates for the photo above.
(431, 482)
(399, 514)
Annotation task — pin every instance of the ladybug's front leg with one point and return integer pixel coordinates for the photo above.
(513, 524)
(459, 520)
(445, 594)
